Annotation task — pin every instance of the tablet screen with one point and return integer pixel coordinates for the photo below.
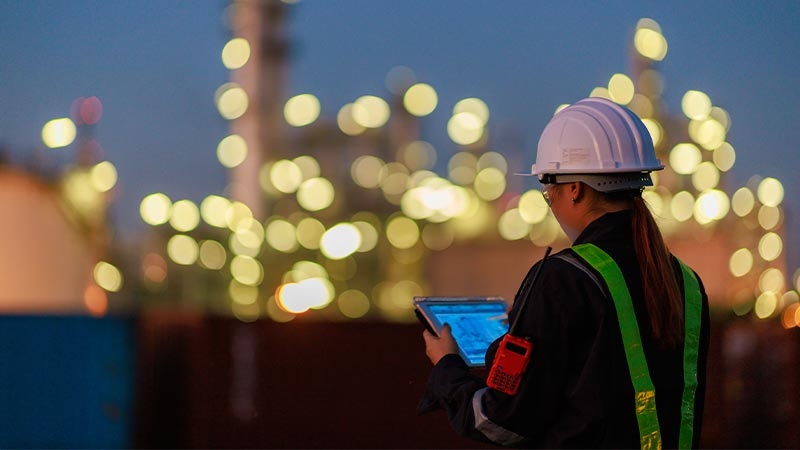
(475, 322)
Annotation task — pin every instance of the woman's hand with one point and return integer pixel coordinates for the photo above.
(437, 347)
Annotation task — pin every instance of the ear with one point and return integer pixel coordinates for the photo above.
(576, 191)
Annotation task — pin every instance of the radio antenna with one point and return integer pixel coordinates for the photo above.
(526, 291)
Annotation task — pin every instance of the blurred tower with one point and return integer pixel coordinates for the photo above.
(261, 23)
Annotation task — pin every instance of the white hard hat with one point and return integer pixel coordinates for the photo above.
(598, 142)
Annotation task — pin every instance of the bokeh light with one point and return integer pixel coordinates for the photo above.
(420, 99)
(155, 208)
(236, 53)
(301, 110)
(59, 133)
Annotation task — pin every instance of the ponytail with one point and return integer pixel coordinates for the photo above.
(662, 293)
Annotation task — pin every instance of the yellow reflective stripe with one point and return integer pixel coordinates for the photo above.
(646, 413)
(691, 345)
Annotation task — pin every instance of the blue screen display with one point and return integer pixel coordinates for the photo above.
(475, 326)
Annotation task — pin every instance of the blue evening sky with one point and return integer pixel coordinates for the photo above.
(155, 65)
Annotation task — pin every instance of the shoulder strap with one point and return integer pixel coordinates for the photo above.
(693, 311)
(646, 413)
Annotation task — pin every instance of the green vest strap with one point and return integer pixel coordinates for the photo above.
(691, 346)
(646, 413)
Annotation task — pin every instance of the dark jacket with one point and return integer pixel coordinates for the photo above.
(577, 391)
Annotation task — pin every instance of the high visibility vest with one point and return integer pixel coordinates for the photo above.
(645, 399)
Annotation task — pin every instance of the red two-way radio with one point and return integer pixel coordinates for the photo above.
(514, 353)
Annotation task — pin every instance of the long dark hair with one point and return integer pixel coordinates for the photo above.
(662, 294)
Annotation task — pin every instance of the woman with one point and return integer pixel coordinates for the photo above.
(619, 326)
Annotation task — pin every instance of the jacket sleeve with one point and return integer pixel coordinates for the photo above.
(478, 412)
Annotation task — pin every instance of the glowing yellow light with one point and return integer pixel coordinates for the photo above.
(474, 106)
(301, 296)
(366, 171)
(286, 176)
(59, 133)
(212, 255)
(709, 133)
(418, 155)
(309, 233)
(696, 105)
(402, 291)
(769, 217)
(242, 293)
(182, 249)
(232, 101)
(770, 246)
(369, 235)
(315, 194)
(420, 99)
(212, 210)
(532, 207)
(301, 110)
(185, 216)
(340, 241)
(107, 276)
(290, 298)
(771, 280)
(601, 92)
(465, 128)
(308, 166)
(395, 183)
(684, 158)
(654, 202)
(281, 235)
(766, 304)
(706, 176)
(490, 183)
(743, 201)
(511, 226)
(370, 111)
(711, 205)
(302, 270)
(235, 212)
(655, 130)
(724, 157)
(402, 232)
(232, 151)
(353, 304)
(249, 233)
(247, 270)
(770, 192)
(103, 176)
(347, 123)
(620, 88)
(236, 53)
(155, 209)
(546, 233)
(650, 43)
(682, 206)
(741, 262)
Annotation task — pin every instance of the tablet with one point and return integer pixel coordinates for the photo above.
(476, 322)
